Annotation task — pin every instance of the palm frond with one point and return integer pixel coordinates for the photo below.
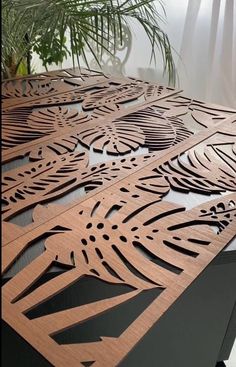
(48, 21)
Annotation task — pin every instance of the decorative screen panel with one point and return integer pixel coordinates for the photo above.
(128, 148)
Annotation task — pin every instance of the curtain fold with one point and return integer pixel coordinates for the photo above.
(203, 35)
(207, 63)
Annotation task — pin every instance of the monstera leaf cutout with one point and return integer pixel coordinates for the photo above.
(112, 95)
(104, 111)
(210, 172)
(49, 120)
(22, 125)
(209, 115)
(160, 132)
(142, 128)
(116, 138)
(147, 248)
(56, 147)
(14, 128)
(206, 115)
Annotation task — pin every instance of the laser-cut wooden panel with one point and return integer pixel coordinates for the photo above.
(29, 91)
(33, 89)
(126, 231)
(40, 182)
(157, 122)
(23, 124)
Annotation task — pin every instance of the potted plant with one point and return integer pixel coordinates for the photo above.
(47, 26)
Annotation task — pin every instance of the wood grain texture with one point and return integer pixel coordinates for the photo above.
(125, 230)
(51, 178)
(157, 122)
(59, 127)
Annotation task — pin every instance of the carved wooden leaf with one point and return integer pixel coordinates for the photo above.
(142, 128)
(50, 178)
(14, 128)
(26, 88)
(115, 138)
(58, 146)
(103, 111)
(43, 181)
(74, 96)
(22, 125)
(48, 120)
(205, 114)
(112, 95)
(154, 90)
(213, 171)
(160, 132)
(150, 187)
(148, 248)
(172, 225)
(208, 116)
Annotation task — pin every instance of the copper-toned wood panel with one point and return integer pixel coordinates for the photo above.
(42, 181)
(25, 126)
(33, 89)
(158, 122)
(127, 230)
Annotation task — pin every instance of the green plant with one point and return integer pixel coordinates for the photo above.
(44, 26)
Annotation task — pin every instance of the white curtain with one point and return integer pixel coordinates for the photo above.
(203, 34)
(207, 68)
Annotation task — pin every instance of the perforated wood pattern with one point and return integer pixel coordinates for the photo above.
(128, 147)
